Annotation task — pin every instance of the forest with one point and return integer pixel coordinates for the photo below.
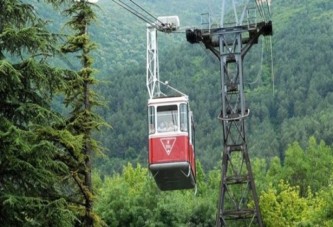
(73, 116)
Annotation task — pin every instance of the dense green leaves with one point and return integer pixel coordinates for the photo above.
(37, 151)
(284, 207)
(290, 195)
(81, 100)
(133, 199)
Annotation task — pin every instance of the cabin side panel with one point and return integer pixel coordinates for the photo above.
(168, 149)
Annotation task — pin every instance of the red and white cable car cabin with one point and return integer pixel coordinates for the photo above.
(171, 143)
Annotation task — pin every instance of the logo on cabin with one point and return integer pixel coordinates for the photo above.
(168, 144)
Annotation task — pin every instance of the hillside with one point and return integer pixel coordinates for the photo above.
(294, 107)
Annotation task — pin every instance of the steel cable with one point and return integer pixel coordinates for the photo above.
(134, 12)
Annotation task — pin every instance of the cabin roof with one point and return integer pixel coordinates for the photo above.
(165, 100)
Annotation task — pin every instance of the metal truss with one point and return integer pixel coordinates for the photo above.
(238, 201)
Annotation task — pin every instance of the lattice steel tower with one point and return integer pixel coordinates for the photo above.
(238, 31)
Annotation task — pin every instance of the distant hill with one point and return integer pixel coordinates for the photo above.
(291, 104)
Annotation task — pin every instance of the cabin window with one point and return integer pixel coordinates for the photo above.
(151, 119)
(167, 118)
(183, 118)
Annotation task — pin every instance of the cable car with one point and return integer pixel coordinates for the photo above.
(171, 156)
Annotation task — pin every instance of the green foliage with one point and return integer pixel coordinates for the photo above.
(30, 171)
(36, 150)
(286, 197)
(133, 199)
(282, 206)
(302, 167)
(80, 98)
(324, 216)
(297, 193)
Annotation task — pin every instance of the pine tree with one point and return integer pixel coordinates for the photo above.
(34, 148)
(80, 96)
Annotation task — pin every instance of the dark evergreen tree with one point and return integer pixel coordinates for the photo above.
(33, 148)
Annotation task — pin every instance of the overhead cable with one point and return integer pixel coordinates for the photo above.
(134, 12)
(259, 74)
(272, 65)
(141, 13)
(264, 9)
(268, 3)
(147, 12)
(260, 9)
